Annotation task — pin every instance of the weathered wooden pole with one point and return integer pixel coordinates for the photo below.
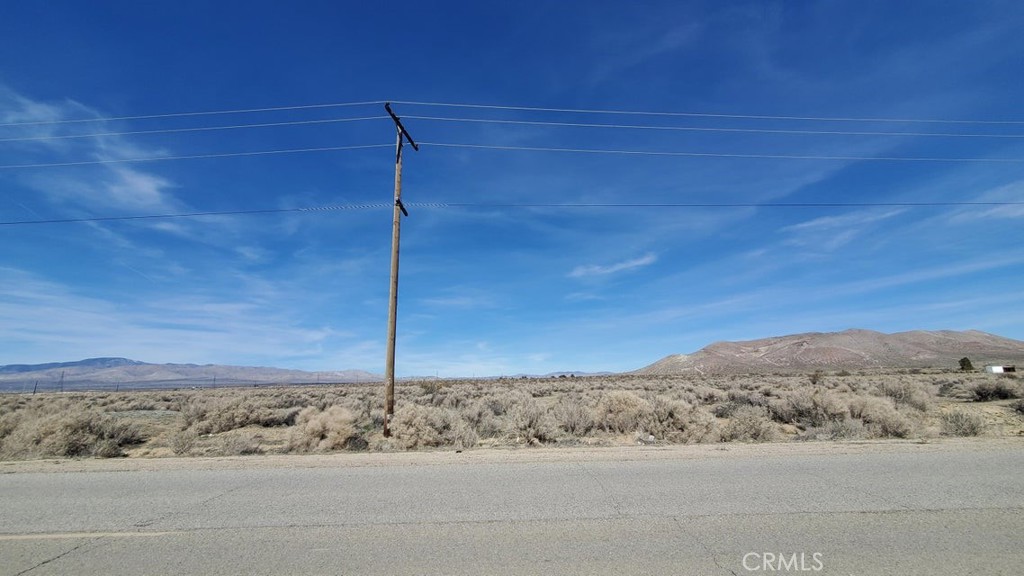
(396, 227)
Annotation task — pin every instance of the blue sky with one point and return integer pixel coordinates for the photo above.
(488, 289)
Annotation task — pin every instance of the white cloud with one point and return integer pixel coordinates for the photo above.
(598, 270)
(831, 223)
(1013, 192)
(830, 233)
(132, 189)
(462, 298)
(42, 320)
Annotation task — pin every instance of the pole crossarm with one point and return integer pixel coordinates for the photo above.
(401, 128)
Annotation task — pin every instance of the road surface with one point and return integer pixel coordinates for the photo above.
(902, 509)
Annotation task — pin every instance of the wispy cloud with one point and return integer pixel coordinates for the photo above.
(830, 233)
(626, 50)
(599, 270)
(1013, 192)
(461, 298)
(41, 319)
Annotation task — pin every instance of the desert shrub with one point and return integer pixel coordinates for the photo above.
(749, 424)
(142, 403)
(500, 404)
(413, 426)
(679, 422)
(325, 430)
(239, 444)
(622, 412)
(216, 415)
(531, 423)
(905, 393)
(416, 426)
(572, 416)
(447, 397)
(70, 433)
(880, 417)
(8, 422)
(709, 395)
(727, 409)
(997, 389)
(845, 429)
(431, 387)
(748, 397)
(947, 387)
(1018, 407)
(810, 408)
(193, 410)
(961, 423)
(183, 442)
(479, 415)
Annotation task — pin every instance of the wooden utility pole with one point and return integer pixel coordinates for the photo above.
(396, 226)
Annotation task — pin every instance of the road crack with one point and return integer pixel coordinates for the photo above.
(604, 489)
(96, 541)
(168, 515)
(707, 549)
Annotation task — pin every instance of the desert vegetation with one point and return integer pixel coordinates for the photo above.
(462, 414)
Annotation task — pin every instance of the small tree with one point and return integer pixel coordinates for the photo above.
(965, 364)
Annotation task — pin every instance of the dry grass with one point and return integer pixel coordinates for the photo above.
(959, 422)
(506, 412)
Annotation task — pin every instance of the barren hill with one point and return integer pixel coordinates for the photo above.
(111, 372)
(847, 350)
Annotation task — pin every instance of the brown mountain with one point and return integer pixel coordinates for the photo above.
(106, 373)
(847, 350)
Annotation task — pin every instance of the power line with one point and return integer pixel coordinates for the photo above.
(196, 156)
(709, 129)
(443, 205)
(717, 154)
(713, 205)
(521, 108)
(521, 149)
(204, 113)
(707, 114)
(198, 129)
(513, 122)
(197, 214)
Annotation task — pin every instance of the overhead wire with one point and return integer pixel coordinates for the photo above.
(706, 114)
(196, 214)
(196, 156)
(694, 154)
(521, 149)
(195, 129)
(716, 154)
(187, 114)
(443, 205)
(704, 128)
(524, 109)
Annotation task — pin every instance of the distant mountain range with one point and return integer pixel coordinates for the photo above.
(110, 373)
(847, 350)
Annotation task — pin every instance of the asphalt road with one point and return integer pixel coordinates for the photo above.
(903, 510)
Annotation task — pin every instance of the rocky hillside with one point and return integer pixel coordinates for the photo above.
(847, 350)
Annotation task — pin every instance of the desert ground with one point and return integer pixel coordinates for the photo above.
(613, 410)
